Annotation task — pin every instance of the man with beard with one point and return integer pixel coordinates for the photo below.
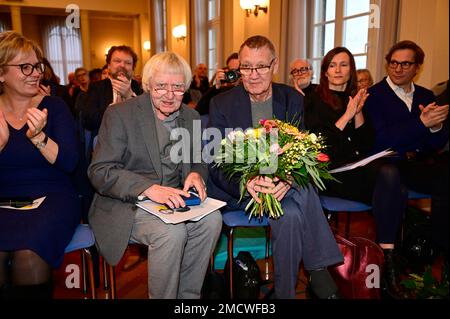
(301, 75)
(117, 87)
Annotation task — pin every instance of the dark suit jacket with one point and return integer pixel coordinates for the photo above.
(126, 162)
(100, 96)
(396, 127)
(232, 109)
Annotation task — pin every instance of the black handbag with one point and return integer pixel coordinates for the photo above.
(246, 276)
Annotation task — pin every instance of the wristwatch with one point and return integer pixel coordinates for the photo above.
(42, 143)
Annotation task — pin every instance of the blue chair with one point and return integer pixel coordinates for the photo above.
(239, 218)
(335, 204)
(82, 240)
(416, 195)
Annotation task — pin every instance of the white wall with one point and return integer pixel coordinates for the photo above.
(426, 22)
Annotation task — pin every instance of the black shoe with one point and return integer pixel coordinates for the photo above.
(391, 277)
(334, 296)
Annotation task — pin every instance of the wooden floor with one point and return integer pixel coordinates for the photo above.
(132, 283)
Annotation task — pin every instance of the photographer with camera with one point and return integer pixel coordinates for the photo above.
(225, 78)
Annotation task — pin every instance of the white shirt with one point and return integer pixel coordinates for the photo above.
(402, 95)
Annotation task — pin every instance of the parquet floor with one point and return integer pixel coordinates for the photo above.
(132, 283)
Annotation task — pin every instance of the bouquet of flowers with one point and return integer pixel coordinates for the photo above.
(275, 149)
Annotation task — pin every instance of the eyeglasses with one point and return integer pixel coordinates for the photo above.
(264, 69)
(302, 70)
(405, 64)
(177, 90)
(28, 68)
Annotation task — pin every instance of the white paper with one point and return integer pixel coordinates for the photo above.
(36, 203)
(194, 214)
(362, 162)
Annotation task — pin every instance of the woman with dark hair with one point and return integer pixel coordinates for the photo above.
(336, 111)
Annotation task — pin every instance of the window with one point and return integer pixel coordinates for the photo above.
(213, 36)
(5, 22)
(62, 47)
(339, 23)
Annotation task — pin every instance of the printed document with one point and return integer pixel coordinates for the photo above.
(170, 216)
(363, 162)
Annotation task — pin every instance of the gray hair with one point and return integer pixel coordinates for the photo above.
(167, 62)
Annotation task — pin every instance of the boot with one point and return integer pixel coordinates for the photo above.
(391, 277)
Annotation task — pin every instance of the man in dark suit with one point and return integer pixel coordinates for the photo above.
(118, 87)
(407, 119)
(302, 233)
(134, 157)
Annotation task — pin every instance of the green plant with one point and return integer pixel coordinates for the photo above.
(428, 287)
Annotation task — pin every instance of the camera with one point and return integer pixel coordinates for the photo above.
(231, 76)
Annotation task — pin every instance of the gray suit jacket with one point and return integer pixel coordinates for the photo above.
(126, 162)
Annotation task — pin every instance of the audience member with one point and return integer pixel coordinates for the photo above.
(132, 159)
(199, 85)
(38, 147)
(302, 233)
(301, 74)
(72, 83)
(336, 111)
(118, 87)
(105, 72)
(50, 85)
(222, 83)
(95, 75)
(364, 79)
(407, 119)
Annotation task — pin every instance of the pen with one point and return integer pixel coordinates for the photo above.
(16, 203)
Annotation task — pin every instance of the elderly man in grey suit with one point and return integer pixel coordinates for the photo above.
(133, 158)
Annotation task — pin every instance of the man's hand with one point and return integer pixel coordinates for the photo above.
(194, 179)
(433, 115)
(123, 86)
(259, 184)
(166, 195)
(298, 88)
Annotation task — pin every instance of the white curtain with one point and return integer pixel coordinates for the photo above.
(62, 46)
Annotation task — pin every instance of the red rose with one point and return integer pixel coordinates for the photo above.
(322, 157)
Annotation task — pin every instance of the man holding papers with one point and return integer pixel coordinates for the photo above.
(135, 157)
(336, 111)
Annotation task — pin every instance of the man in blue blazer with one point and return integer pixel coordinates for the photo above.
(302, 233)
(407, 119)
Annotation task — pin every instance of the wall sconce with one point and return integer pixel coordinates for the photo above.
(107, 50)
(179, 32)
(147, 45)
(253, 6)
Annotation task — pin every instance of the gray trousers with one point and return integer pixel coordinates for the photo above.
(302, 233)
(178, 255)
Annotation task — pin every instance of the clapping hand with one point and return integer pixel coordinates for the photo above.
(433, 115)
(36, 120)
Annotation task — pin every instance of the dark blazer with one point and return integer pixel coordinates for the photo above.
(344, 146)
(232, 109)
(398, 128)
(100, 96)
(126, 162)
